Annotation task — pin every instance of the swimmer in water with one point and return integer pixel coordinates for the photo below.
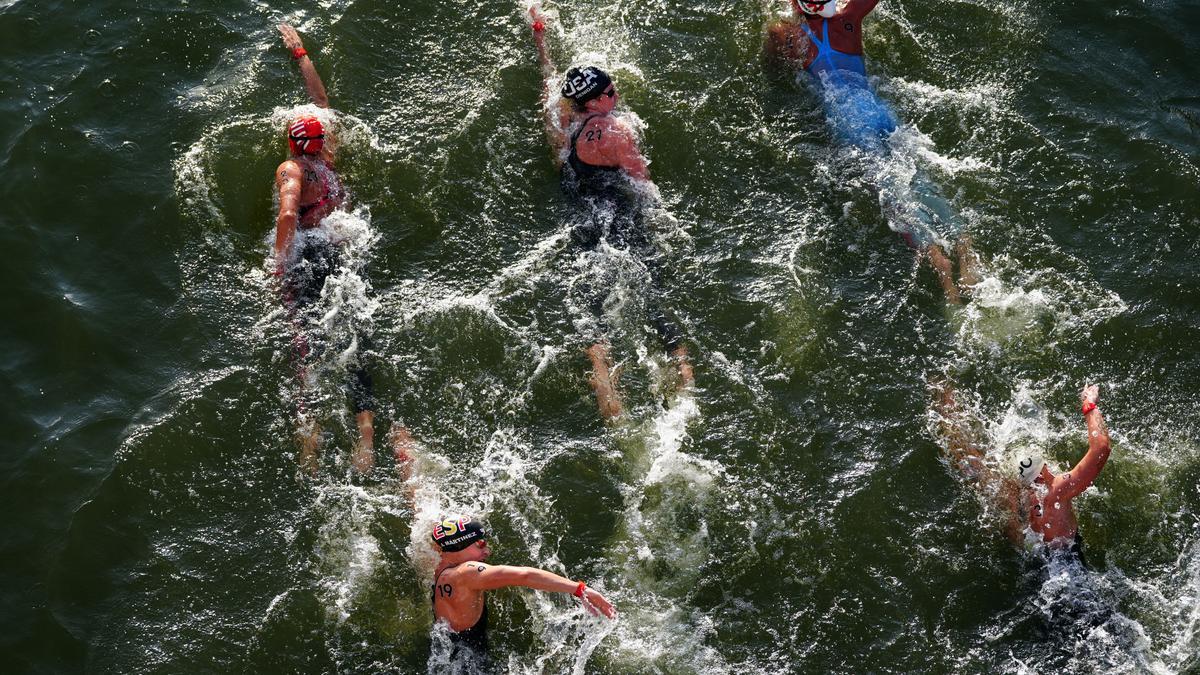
(1036, 498)
(1046, 498)
(827, 42)
(603, 168)
(462, 578)
(807, 42)
(309, 189)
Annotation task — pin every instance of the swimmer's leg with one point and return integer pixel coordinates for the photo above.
(672, 339)
(404, 449)
(308, 436)
(668, 331)
(945, 270)
(968, 263)
(360, 391)
(602, 381)
(687, 378)
(364, 451)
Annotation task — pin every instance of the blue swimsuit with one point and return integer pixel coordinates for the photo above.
(857, 115)
(914, 206)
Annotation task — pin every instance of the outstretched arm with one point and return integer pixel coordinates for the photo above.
(554, 121)
(961, 447)
(1082, 475)
(489, 577)
(787, 44)
(312, 81)
(288, 182)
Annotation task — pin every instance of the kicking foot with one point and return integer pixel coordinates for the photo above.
(308, 435)
(364, 451)
(602, 378)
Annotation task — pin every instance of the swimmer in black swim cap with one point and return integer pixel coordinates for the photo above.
(461, 578)
(581, 85)
(598, 155)
(454, 533)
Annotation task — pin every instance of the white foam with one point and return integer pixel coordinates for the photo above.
(348, 556)
(1011, 305)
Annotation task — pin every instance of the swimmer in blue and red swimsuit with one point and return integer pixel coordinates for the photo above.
(827, 42)
(604, 169)
(309, 189)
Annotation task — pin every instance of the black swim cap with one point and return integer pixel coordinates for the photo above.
(454, 533)
(584, 84)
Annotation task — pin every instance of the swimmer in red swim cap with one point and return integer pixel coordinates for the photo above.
(309, 189)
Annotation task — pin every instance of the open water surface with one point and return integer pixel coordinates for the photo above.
(791, 514)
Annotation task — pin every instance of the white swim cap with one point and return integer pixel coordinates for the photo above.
(825, 8)
(1030, 468)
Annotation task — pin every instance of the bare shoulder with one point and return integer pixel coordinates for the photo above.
(779, 30)
(289, 169)
(465, 574)
(616, 128)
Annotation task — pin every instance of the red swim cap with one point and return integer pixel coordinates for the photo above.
(306, 135)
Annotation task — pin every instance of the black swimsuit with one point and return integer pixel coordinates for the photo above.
(590, 180)
(474, 637)
(615, 216)
(617, 212)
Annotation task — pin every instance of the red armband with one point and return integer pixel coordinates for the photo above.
(579, 589)
(299, 53)
(1088, 407)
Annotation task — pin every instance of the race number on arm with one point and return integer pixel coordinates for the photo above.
(288, 180)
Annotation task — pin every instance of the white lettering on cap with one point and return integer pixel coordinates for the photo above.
(581, 82)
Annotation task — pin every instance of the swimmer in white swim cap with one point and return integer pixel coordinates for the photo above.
(1040, 499)
(1029, 468)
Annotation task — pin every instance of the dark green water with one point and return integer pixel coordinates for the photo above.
(790, 515)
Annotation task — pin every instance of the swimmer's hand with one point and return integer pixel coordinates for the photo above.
(1090, 394)
(536, 21)
(291, 39)
(597, 604)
